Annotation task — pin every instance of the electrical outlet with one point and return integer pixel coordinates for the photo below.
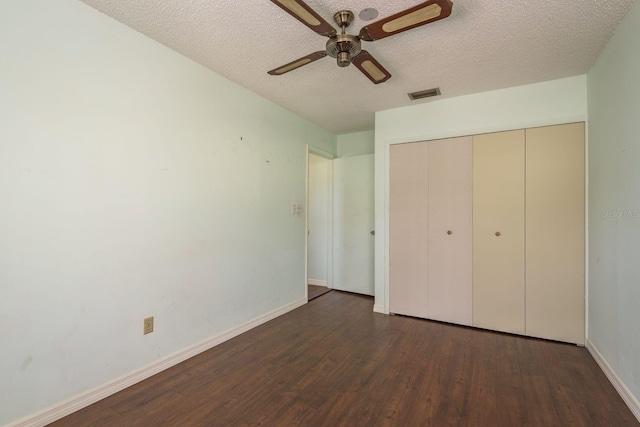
(148, 325)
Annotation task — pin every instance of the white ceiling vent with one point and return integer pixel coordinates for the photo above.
(424, 93)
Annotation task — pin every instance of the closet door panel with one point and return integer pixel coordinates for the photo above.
(498, 231)
(408, 229)
(450, 222)
(555, 232)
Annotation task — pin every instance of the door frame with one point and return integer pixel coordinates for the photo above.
(329, 156)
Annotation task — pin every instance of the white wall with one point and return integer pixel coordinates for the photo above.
(356, 144)
(614, 203)
(133, 182)
(553, 102)
(319, 217)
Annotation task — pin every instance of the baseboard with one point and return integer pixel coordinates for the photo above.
(73, 404)
(317, 282)
(628, 397)
(378, 309)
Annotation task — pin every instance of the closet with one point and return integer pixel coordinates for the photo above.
(498, 231)
(430, 230)
(555, 240)
(409, 229)
(488, 231)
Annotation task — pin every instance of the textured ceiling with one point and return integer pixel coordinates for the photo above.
(483, 45)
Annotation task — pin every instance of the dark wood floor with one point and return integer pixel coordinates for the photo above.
(314, 291)
(333, 362)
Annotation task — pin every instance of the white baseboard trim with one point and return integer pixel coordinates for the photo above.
(82, 400)
(317, 282)
(628, 397)
(378, 309)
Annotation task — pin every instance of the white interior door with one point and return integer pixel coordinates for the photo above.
(353, 223)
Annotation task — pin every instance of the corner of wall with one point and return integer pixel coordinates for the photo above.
(622, 389)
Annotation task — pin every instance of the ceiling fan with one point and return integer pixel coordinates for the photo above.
(346, 48)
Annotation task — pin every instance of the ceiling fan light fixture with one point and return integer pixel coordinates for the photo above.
(424, 94)
(414, 18)
(344, 59)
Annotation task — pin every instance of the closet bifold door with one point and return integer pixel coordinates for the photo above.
(408, 229)
(498, 231)
(450, 183)
(555, 248)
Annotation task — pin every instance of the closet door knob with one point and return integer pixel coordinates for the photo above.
(449, 232)
(498, 233)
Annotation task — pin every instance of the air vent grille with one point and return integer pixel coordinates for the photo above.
(424, 94)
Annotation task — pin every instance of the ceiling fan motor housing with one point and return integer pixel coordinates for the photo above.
(343, 47)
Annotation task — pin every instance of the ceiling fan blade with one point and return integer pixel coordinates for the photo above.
(303, 13)
(298, 63)
(424, 13)
(370, 67)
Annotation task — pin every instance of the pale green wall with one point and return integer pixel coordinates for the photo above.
(133, 182)
(614, 203)
(552, 102)
(356, 144)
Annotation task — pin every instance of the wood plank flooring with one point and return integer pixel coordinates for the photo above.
(333, 362)
(314, 291)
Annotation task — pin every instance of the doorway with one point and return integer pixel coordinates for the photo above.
(319, 207)
(340, 222)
